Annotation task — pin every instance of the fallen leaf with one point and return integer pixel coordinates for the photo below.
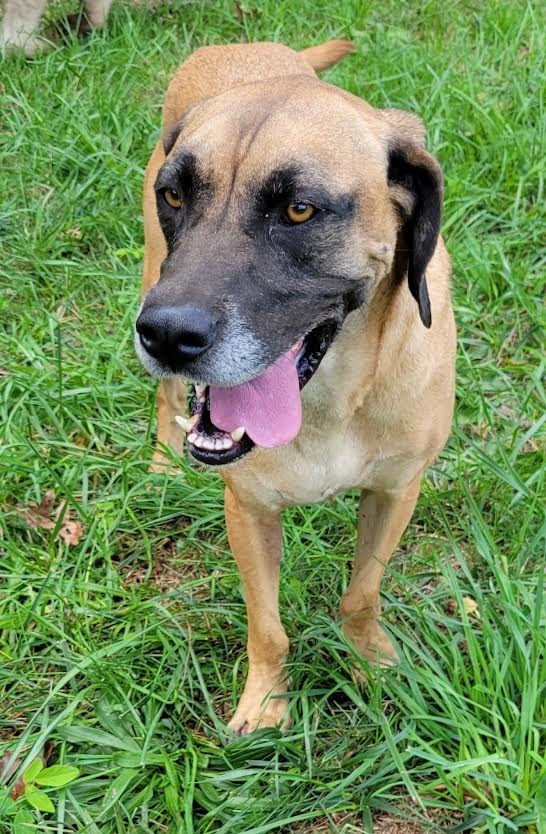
(7, 766)
(71, 532)
(471, 607)
(18, 788)
(39, 515)
(75, 232)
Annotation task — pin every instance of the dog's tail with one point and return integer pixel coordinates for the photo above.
(327, 54)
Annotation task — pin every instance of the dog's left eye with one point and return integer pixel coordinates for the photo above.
(300, 212)
(172, 198)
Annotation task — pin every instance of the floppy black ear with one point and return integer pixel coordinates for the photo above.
(416, 185)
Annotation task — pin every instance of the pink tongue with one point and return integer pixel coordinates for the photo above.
(269, 406)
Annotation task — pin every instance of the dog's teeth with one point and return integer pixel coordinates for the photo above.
(192, 437)
(208, 443)
(227, 443)
(200, 392)
(187, 423)
(238, 433)
(218, 443)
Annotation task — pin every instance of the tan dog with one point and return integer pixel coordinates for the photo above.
(288, 228)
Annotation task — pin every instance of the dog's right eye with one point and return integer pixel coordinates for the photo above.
(172, 198)
(299, 212)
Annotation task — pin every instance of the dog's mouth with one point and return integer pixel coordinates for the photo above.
(226, 423)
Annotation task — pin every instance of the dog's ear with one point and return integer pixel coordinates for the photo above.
(416, 184)
(405, 124)
(170, 135)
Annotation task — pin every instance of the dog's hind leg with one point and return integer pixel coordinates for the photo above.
(171, 394)
(97, 11)
(19, 25)
(255, 537)
(382, 518)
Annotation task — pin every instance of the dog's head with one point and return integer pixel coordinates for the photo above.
(285, 205)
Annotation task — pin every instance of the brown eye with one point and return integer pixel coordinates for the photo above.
(300, 212)
(172, 198)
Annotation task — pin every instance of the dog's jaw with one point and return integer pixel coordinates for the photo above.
(210, 445)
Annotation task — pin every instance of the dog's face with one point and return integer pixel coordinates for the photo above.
(282, 204)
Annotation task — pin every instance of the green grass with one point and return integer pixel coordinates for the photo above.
(125, 653)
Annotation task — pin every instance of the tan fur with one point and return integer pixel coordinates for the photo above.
(379, 408)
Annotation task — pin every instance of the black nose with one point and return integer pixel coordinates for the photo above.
(175, 335)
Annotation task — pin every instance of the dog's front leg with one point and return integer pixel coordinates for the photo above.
(171, 400)
(255, 537)
(382, 518)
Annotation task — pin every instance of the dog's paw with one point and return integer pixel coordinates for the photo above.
(30, 45)
(373, 644)
(262, 703)
(253, 715)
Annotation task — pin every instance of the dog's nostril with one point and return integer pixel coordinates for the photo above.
(193, 340)
(175, 335)
(147, 336)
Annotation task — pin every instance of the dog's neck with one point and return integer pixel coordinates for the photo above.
(385, 332)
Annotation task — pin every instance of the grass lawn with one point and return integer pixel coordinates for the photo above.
(122, 626)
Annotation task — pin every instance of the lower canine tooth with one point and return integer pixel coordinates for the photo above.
(186, 423)
(192, 437)
(238, 433)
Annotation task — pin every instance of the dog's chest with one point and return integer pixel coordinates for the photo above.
(315, 467)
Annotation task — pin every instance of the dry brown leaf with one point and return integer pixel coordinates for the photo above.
(8, 767)
(71, 532)
(451, 606)
(40, 516)
(18, 788)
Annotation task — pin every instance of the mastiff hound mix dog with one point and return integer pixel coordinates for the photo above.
(294, 273)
